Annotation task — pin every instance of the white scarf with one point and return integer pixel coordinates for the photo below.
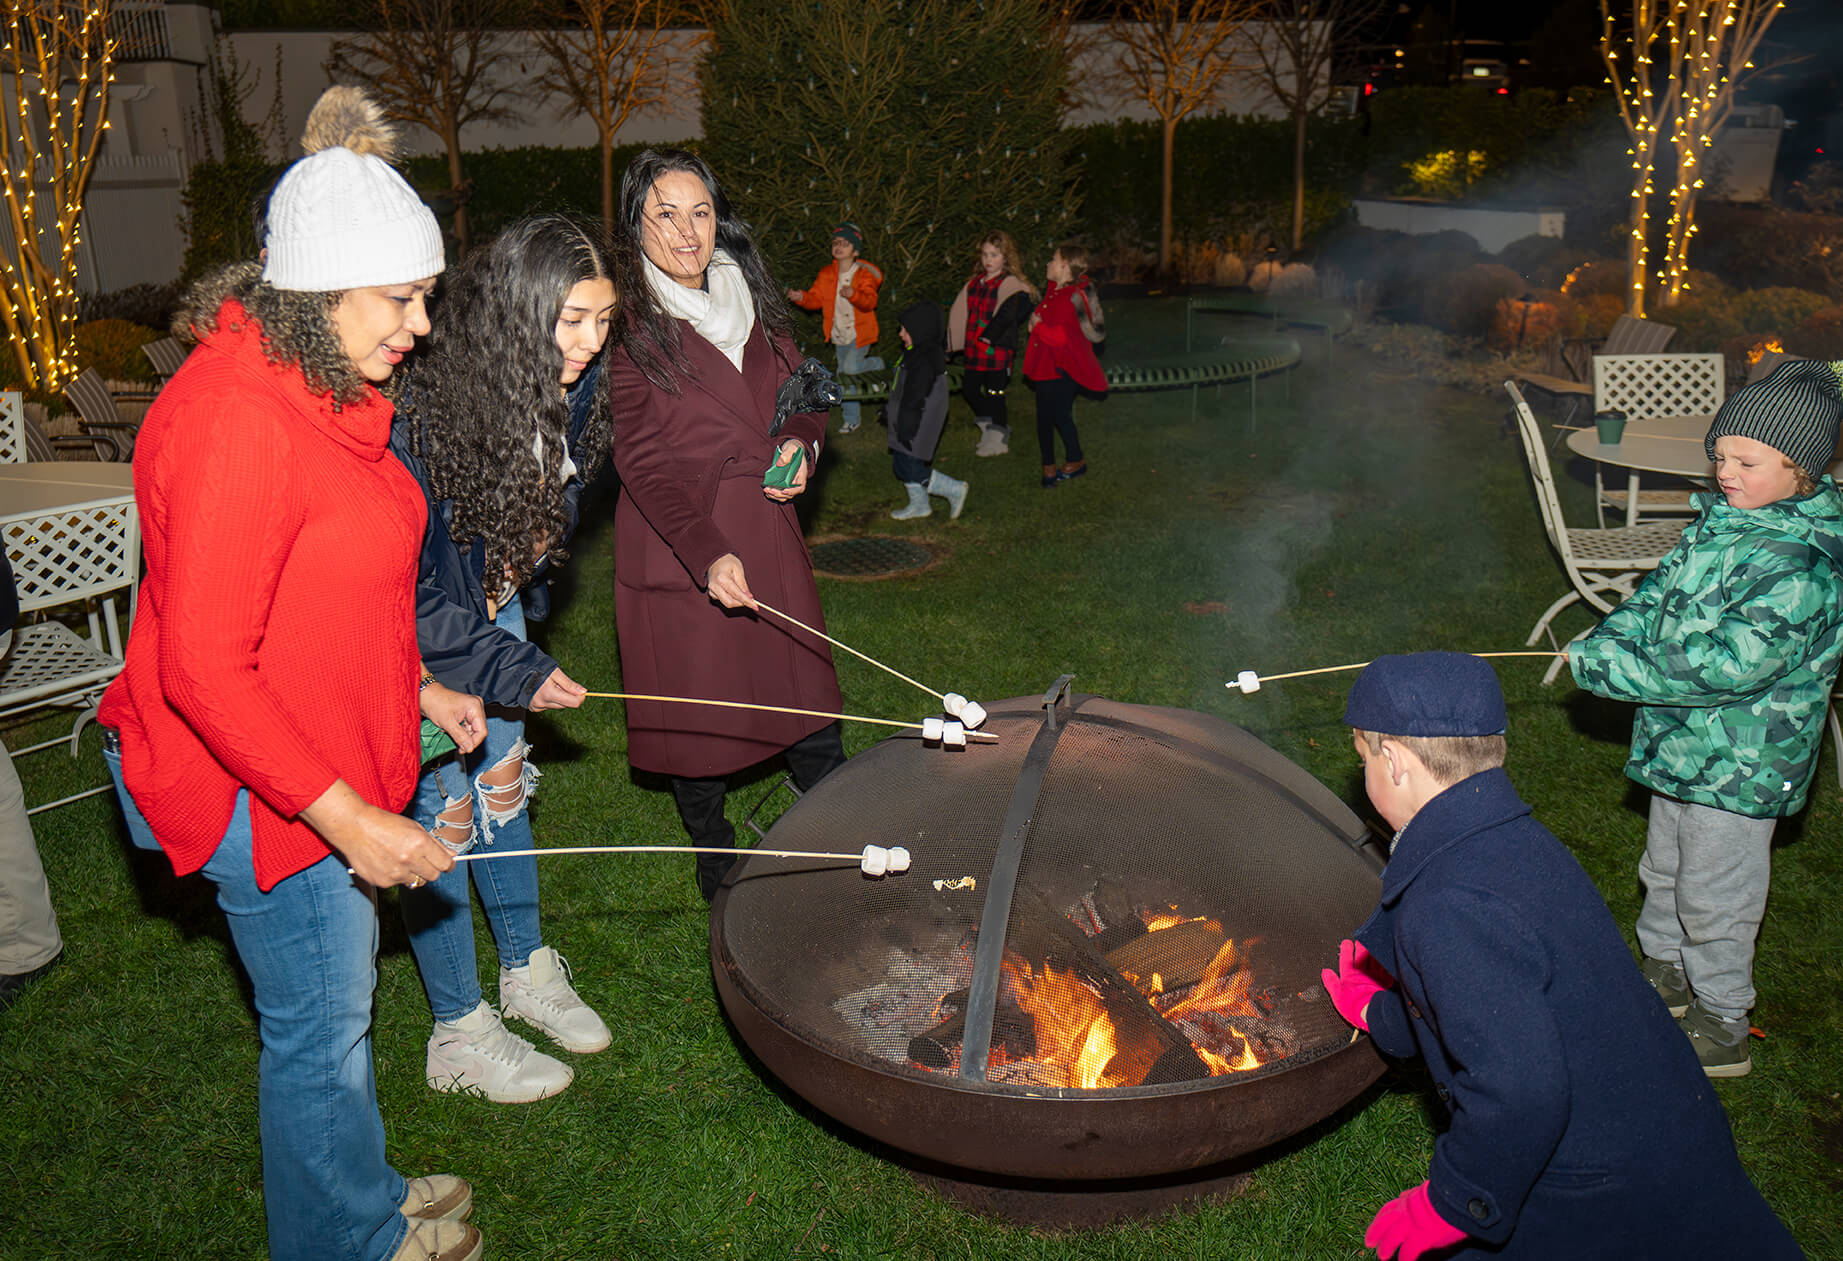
(722, 313)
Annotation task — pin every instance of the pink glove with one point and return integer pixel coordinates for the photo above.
(1407, 1226)
(1357, 980)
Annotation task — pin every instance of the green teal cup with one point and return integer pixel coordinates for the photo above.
(1611, 426)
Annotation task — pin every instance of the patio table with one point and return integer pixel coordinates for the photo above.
(56, 515)
(1652, 444)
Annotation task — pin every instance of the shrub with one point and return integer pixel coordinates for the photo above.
(1819, 337)
(1821, 190)
(1752, 247)
(1473, 295)
(113, 348)
(219, 198)
(1544, 261)
(1774, 310)
(1231, 272)
(151, 305)
(1529, 320)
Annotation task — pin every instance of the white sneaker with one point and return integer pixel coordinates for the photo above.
(540, 994)
(477, 1054)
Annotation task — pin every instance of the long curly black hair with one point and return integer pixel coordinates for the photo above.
(297, 327)
(649, 335)
(488, 377)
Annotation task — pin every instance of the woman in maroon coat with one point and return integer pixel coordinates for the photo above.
(703, 345)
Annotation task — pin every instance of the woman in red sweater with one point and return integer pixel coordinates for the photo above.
(1059, 361)
(264, 730)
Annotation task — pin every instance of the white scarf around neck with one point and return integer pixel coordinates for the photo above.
(723, 313)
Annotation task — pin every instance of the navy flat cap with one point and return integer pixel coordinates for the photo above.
(1428, 694)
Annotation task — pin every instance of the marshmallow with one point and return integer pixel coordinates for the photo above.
(932, 729)
(876, 860)
(1247, 681)
(972, 713)
(953, 703)
(953, 736)
(899, 859)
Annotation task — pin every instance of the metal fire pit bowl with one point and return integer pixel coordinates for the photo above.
(819, 966)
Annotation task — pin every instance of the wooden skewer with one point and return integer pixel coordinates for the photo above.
(648, 849)
(775, 709)
(1633, 433)
(940, 696)
(1358, 665)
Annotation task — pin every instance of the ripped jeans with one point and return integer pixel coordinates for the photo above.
(483, 795)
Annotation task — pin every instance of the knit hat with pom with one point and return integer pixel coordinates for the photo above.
(342, 217)
(1795, 411)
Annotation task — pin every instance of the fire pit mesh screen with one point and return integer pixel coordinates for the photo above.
(1179, 888)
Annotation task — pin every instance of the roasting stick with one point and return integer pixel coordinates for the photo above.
(1634, 433)
(924, 727)
(972, 713)
(892, 859)
(1249, 681)
(876, 860)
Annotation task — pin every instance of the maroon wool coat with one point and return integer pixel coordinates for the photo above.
(691, 469)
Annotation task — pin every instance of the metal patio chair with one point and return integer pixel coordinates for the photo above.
(1630, 335)
(68, 561)
(1603, 565)
(97, 414)
(22, 441)
(166, 354)
(1654, 385)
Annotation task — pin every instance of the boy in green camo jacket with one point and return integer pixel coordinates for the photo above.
(1731, 648)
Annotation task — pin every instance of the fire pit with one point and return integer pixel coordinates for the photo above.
(1096, 992)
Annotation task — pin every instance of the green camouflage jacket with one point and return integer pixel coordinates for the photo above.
(1731, 647)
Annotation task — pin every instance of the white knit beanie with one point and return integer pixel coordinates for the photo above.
(341, 217)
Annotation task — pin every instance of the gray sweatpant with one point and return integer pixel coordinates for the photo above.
(28, 927)
(1705, 873)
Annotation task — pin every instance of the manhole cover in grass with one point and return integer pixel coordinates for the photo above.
(872, 557)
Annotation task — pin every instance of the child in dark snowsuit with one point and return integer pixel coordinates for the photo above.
(917, 412)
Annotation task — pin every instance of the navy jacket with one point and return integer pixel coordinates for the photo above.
(1581, 1124)
(459, 646)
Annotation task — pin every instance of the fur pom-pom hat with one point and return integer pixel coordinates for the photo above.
(342, 217)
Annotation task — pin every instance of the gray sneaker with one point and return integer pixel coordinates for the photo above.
(1721, 1045)
(1669, 982)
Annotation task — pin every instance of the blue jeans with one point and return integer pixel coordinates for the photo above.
(310, 948)
(854, 359)
(438, 916)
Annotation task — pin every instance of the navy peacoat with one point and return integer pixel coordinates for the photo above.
(1581, 1124)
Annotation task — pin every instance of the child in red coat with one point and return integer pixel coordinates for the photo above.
(1059, 361)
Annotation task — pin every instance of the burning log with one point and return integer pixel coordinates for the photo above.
(1135, 1046)
(938, 1048)
(1177, 956)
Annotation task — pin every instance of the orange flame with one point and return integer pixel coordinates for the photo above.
(1771, 346)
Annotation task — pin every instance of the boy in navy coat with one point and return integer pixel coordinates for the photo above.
(1581, 1124)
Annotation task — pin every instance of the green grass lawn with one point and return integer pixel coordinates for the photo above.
(1368, 513)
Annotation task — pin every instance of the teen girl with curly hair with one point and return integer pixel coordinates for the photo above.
(502, 418)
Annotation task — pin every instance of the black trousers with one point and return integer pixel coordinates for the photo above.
(984, 391)
(700, 801)
(1056, 415)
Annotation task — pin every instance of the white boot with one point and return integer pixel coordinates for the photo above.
(477, 1054)
(540, 993)
(952, 489)
(992, 440)
(917, 505)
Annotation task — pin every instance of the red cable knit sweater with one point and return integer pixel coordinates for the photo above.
(274, 641)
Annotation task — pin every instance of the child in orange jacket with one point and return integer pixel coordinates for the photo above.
(845, 295)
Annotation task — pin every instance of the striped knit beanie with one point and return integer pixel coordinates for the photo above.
(1796, 411)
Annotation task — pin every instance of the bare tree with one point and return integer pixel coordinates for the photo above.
(1175, 56)
(1717, 41)
(1297, 51)
(1647, 89)
(54, 87)
(608, 60)
(432, 63)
